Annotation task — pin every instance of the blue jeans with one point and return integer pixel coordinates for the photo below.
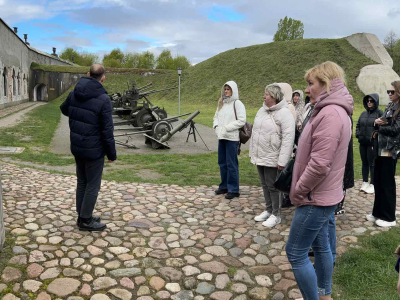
(228, 165)
(310, 228)
(332, 235)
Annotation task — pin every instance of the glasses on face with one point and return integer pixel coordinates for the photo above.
(390, 92)
(370, 101)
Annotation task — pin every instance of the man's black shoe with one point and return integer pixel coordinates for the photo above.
(232, 195)
(221, 191)
(92, 225)
(97, 219)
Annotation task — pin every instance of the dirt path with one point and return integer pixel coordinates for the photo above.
(14, 118)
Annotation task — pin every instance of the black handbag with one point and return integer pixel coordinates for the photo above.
(284, 179)
(245, 131)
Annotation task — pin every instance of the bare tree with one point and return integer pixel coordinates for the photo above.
(390, 42)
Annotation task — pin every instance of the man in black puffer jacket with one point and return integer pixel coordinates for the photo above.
(364, 130)
(92, 137)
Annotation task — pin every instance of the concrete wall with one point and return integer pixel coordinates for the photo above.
(15, 60)
(47, 86)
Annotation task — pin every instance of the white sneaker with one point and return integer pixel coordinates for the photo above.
(370, 189)
(382, 223)
(272, 221)
(364, 186)
(262, 217)
(371, 218)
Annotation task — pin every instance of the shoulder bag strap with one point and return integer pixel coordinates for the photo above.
(234, 108)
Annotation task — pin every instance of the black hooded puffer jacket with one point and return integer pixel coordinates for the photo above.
(365, 124)
(90, 120)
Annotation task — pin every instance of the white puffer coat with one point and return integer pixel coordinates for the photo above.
(225, 124)
(272, 139)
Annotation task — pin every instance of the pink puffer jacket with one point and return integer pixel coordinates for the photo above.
(322, 152)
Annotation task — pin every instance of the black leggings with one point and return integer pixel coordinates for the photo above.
(368, 162)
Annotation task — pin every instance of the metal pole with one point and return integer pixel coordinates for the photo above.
(179, 105)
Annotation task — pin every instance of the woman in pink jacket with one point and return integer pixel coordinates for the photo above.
(317, 183)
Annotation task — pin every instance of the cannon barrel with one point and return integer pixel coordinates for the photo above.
(145, 86)
(157, 91)
(181, 126)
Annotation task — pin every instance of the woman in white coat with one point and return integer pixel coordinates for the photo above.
(271, 147)
(226, 126)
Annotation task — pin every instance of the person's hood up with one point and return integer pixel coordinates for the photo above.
(301, 98)
(88, 88)
(283, 103)
(287, 90)
(338, 95)
(235, 92)
(373, 96)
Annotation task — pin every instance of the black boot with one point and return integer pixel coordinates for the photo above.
(91, 225)
(221, 191)
(232, 195)
(97, 219)
(286, 202)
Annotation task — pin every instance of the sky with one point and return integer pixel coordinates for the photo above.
(197, 29)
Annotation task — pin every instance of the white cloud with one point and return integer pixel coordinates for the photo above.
(183, 27)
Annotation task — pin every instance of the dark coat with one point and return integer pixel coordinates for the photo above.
(389, 135)
(348, 178)
(365, 124)
(90, 120)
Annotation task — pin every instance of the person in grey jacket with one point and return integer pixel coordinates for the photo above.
(364, 130)
(226, 126)
(271, 147)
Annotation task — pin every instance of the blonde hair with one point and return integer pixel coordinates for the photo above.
(325, 73)
(221, 100)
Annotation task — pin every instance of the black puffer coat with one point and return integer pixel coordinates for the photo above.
(389, 135)
(90, 120)
(365, 124)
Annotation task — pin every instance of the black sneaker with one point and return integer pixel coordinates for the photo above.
(92, 225)
(97, 219)
(286, 202)
(221, 191)
(232, 195)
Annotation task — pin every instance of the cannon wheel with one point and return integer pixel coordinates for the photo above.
(161, 113)
(160, 128)
(142, 117)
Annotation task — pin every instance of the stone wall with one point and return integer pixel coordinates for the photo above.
(47, 86)
(15, 60)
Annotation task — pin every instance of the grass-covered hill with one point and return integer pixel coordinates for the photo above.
(251, 67)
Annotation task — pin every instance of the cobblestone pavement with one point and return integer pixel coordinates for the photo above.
(162, 242)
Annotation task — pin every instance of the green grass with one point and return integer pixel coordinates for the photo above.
(368, 272)
(251, 67)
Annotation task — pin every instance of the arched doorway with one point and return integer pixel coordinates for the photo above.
(40, 92)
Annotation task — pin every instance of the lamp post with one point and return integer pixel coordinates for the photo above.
(179, 97)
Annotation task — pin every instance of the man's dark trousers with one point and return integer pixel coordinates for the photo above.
(88, 186)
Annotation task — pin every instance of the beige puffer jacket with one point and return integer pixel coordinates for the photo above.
(272, 138)
(225, 124)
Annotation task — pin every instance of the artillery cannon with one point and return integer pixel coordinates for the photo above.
(135, 106)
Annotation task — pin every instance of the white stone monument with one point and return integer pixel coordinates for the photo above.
(374, 78)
